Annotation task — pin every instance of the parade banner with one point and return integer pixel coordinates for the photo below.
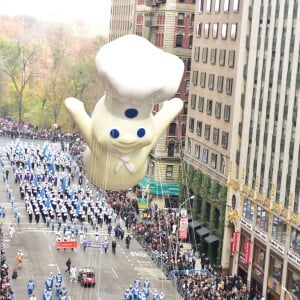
(247, 252)
(66, 245)
(183, 228)
(234, 242)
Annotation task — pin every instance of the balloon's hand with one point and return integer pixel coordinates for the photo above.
(80, 117)
(166, 115)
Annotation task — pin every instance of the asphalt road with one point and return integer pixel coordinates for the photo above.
(114, 273)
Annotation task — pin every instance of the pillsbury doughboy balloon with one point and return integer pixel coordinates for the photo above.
(122, 130)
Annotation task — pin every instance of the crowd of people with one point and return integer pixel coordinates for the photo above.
(158, 237)
(56, 192)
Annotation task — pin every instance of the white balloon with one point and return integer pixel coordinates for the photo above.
(122, 130)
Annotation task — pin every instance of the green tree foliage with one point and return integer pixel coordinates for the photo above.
(40, 68)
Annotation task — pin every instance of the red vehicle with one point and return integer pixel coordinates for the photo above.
(86, 277)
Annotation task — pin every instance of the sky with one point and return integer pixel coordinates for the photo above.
(94, 12)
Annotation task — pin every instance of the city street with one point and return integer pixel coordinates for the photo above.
(114, 273)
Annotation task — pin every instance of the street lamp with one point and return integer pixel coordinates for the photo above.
(183, 211)
(286, 290)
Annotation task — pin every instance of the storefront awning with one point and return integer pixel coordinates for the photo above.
(211, 239)
(202, 231)
(160, 188)
(195, 224)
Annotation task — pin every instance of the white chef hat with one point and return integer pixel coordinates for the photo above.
(137, 74)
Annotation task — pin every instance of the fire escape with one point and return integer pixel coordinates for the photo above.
(151, 17)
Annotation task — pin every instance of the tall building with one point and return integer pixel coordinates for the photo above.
(213, 111)
(264, 181)
(243, 131)
(169, 26)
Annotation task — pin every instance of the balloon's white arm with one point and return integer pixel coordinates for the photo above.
(170, 109)
(76, 108)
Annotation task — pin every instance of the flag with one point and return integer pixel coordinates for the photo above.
(35, 180)
(47, 204)
(52, 167)
(64, 183)
(42, 192)
(78, 206)
(28, 163)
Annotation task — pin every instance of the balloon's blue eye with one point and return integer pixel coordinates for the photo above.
(114, 133)
(141, 132)
(131, 113)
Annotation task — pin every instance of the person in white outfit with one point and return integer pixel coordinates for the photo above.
(11, 231)
(73, 272)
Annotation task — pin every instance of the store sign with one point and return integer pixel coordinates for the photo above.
(277, 246)
(260, 234)
(259, 273)
(246, 224)
(247, 252)
(234, 241)
(183, 228)
(294, 258)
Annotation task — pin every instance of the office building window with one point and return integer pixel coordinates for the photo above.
(204, 55)
(206, 30)
(172, 129)
(222, 56)
(262, 218)
(201, 103)
(197, 53)
(169, 171)
(216, 136)
(259, 255)
(236, 4)
(224, 31)
(197, 151)
(231, 55)
(205, 156)
(229, 82)
(213, 56)
(193, 101)
(215, 30)
(295, 240)
(217, 6)
(209, 104)
(220, 84)
(191, 124)
(211, 81)
(191, 41)
(187, 87)
(195, 78)
(227, 113)
(171, 149)
(233, 31)
(213, 160)
(279, 229)
(199, 28)
(200, 6)
(180, 20)
(225, 139)
(208, 6)
(222, 164)
(226, 5)
(248, 209)
(207, 132)
(189, 148)
(179, 40)
(199, 128)
(202, 79)
(218, 107)
(276, 267)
